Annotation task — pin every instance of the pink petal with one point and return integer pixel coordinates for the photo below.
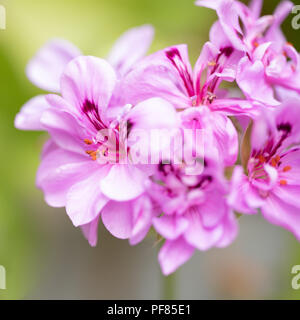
(282, 214)
(88, 79)
(143, 214)
(85, 200)
(46, 68)
(173, 254)
(170, 226)
(90, 231)
(58, 171)
(123, 182)
(230, 231)
(160, 76)
(130, 48)
(118, 219)
(198, 236)
(154, 113)
(64, 129)
(251, 80)
(30, 115)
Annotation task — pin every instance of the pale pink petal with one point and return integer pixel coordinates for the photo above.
(280, 213)
(197, 235)
(170, 226)
(130, 48)
(251, 80)
(89, 79)
(30, 115)
(143, 213)
(256, 7)
(118, 219)
(64, 130)
(58, 171)
(46, 68)
(85, 200)
(230, 231)
(123, 182)
(90, 231)
(173, 254)
(154, 113)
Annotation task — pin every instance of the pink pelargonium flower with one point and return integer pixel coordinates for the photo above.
(195, 212)
(271, 182)
(72, 172)
(168, 74)
(45, 69)
(242, 27)
(269, 59)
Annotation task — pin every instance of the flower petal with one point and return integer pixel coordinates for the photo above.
(90, 79)
(130, 48)
(30, 115)
(170, 226)
(90, 231)
(85, 200)
(118, 219)
(173, 254)
(58, 171)
(123, 182)
(46, 68)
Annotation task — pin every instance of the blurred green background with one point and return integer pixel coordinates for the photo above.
(44, 255)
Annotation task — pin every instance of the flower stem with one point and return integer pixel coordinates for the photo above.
(169, 287)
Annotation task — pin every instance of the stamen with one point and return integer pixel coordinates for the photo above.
(88, 141)
(212, 63)
(287, 168)
(92, 154)
(261, 158)
(283, 182)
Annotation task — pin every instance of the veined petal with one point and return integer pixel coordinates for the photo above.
(88, 79)
(165, 74)
(46, 68)
(130, 48)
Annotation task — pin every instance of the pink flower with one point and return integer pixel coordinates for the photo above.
(269, 59)
(76, 172)
(46, 68)
(168, 74)
(195, 212)
(271, 182)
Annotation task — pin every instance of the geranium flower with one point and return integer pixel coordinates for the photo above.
(80, 169)
(269, 60)
(195, 212)
(168, 74)
(45, 69)
(271, 181)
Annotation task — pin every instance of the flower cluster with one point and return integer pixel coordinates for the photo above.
(143, 142)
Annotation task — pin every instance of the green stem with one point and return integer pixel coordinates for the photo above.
(169, 287)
